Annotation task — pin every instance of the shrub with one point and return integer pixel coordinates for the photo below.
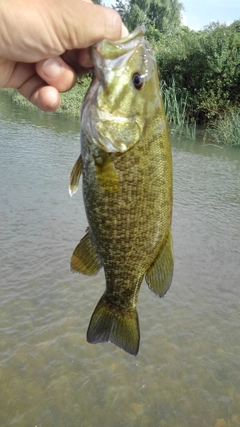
(206, 64)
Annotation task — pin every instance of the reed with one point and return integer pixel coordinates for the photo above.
(226, 129)
(175, 102)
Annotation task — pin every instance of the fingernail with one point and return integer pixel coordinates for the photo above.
(124, 31)
(52, 68)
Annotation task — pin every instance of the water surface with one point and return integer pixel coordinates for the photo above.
(187, 372)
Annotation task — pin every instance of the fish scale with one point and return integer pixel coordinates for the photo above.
(127, 188)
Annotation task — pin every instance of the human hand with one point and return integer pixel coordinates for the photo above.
(45, 44)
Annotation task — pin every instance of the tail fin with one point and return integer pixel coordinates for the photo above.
(108, 323)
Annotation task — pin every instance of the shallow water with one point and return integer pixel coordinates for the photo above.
(187, 372)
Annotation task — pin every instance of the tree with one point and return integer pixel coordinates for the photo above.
(163, 15)
(206, 64)
(130, 12)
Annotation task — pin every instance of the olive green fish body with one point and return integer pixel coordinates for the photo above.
(127, 190)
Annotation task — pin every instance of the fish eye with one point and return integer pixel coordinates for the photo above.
(138, 81)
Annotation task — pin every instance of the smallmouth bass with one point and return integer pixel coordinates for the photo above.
(126, 170)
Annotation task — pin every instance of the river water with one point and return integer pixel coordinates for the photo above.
(187, 372)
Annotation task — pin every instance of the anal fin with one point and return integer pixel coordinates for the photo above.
(84, 258)
(159, 275)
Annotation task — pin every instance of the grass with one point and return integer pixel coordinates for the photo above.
(175, 102)
(226, 130)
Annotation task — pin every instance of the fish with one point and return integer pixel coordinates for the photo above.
(126, 169)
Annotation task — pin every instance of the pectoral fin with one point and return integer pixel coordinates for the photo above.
(84, 258)
(106, 173)
(159, 275)
(75, 176)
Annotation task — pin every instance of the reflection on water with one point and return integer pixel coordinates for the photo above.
(187, 372)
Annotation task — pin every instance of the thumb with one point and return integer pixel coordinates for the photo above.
(87, 23)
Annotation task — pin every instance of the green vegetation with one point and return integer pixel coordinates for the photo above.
(206, 64)
(226, 130)
(72, 100)
(199, 70)
(159, 16)
(175, 103)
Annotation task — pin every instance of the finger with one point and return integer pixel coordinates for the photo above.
(73, 59)
(19, 74)
(85, 58)
(84, 55)
(95, 23)
(57, 73)
(125, 31)
(33, 88)
(44, 97)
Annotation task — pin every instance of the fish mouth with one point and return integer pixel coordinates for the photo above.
(138, 32)
(113, 49)
(114, 131)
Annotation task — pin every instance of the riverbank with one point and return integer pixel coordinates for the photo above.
(224, 130)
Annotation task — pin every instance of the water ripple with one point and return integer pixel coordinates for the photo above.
(187, 371)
